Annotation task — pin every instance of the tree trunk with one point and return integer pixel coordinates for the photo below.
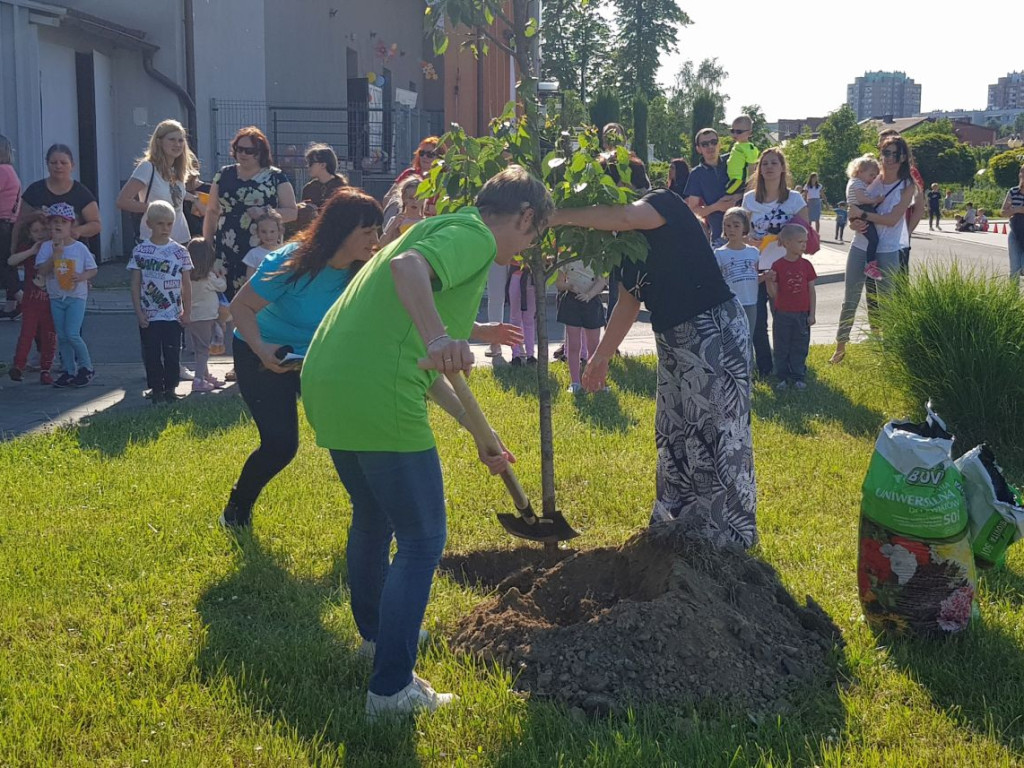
(527, 91)
(547, 440)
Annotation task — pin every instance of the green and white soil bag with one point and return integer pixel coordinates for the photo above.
(995, 517)
(915, 568)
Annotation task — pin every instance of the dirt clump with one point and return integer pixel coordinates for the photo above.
(665, 618)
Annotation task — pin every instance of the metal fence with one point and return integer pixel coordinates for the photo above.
(372, 144)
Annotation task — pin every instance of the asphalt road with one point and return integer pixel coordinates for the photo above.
(120, 381)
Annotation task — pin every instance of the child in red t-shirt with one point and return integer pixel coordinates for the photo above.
(36, 318)
(790, 284)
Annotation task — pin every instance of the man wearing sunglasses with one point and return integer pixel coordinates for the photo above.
(705, 189)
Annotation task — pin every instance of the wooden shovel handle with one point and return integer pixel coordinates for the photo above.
(484, 435)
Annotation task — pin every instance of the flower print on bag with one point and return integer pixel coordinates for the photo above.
(903, 562)
(955, 610)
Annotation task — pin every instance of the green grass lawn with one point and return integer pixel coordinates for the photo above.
(133, 631)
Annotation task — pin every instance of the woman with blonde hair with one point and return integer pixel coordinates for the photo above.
(771, 204)
(161, 174)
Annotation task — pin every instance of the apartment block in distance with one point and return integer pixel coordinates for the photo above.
(1007, 92)
(884, 93)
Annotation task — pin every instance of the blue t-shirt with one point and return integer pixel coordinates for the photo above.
(708, 183)
(296, 308)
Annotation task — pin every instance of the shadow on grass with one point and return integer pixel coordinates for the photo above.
(264, 634)
(637, 375)
(708, 734)
(603, 410)
(796, 410)
(524, 381)
(977, 680)
(113, 430)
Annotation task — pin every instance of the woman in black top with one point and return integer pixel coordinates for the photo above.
(60, 187)
(705, 476)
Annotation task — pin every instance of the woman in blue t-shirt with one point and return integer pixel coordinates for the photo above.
(705, 475)
(277, 312)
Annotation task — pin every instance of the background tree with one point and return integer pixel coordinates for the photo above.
(604, 109)
(706, 78)
(667, 129)
(840, 139)
(647, 29)
(939, 155)
(577, 45)
(702, 116)
(1005, 167)
(640, 140)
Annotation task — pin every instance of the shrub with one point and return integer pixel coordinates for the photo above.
(1005, 167)
(956, 337)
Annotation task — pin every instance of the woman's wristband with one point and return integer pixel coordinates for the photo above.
(438, 338)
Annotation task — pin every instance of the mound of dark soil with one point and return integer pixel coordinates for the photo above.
(665, 618)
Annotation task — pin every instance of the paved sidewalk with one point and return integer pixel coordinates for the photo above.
(112, 335)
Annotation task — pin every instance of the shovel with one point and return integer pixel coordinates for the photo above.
(525, 523)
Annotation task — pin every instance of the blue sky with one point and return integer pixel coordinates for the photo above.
(817, 55)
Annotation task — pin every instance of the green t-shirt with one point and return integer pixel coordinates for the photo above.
(740, 156)
(361, 385)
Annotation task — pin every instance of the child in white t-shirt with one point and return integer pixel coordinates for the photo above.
(162, 296)
(207, 282)
(270, 231)
(738, 261)
(68, 267)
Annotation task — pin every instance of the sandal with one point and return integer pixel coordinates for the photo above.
(837, 357)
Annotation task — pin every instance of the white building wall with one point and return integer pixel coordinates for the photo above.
(230, 62)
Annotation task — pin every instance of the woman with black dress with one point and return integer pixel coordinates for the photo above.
(705, 475)
(241, 193)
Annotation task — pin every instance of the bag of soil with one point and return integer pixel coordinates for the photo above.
(915, 569)
(995, 514)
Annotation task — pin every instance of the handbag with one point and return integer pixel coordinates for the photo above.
(137, 217)
(813, 241)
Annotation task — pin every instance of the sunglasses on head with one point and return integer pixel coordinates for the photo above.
(246, 150)
(708, 143)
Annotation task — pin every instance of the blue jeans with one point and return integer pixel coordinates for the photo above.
(792, 338)
(398, 495)
(1016, 257)
(889, 263)
(68, 316)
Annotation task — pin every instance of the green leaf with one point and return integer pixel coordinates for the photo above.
(531, 28)
(440, 44)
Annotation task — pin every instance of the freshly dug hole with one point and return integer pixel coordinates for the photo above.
(664, 618)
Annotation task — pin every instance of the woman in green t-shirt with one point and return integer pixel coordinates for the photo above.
(365, 395)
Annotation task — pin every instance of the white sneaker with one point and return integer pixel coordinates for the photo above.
(369, 648)
(799, 385)
(782, 385)
(417, 695)
(185, 374)
(574, 389)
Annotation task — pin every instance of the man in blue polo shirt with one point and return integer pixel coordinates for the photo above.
(705, 189)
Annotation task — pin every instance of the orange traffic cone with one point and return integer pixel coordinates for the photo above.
(1004, 227)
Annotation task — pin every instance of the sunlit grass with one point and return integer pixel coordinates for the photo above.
(132, 629)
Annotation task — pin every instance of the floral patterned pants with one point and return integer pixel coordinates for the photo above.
(705, 477)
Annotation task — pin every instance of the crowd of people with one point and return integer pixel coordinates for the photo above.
(366, 308)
